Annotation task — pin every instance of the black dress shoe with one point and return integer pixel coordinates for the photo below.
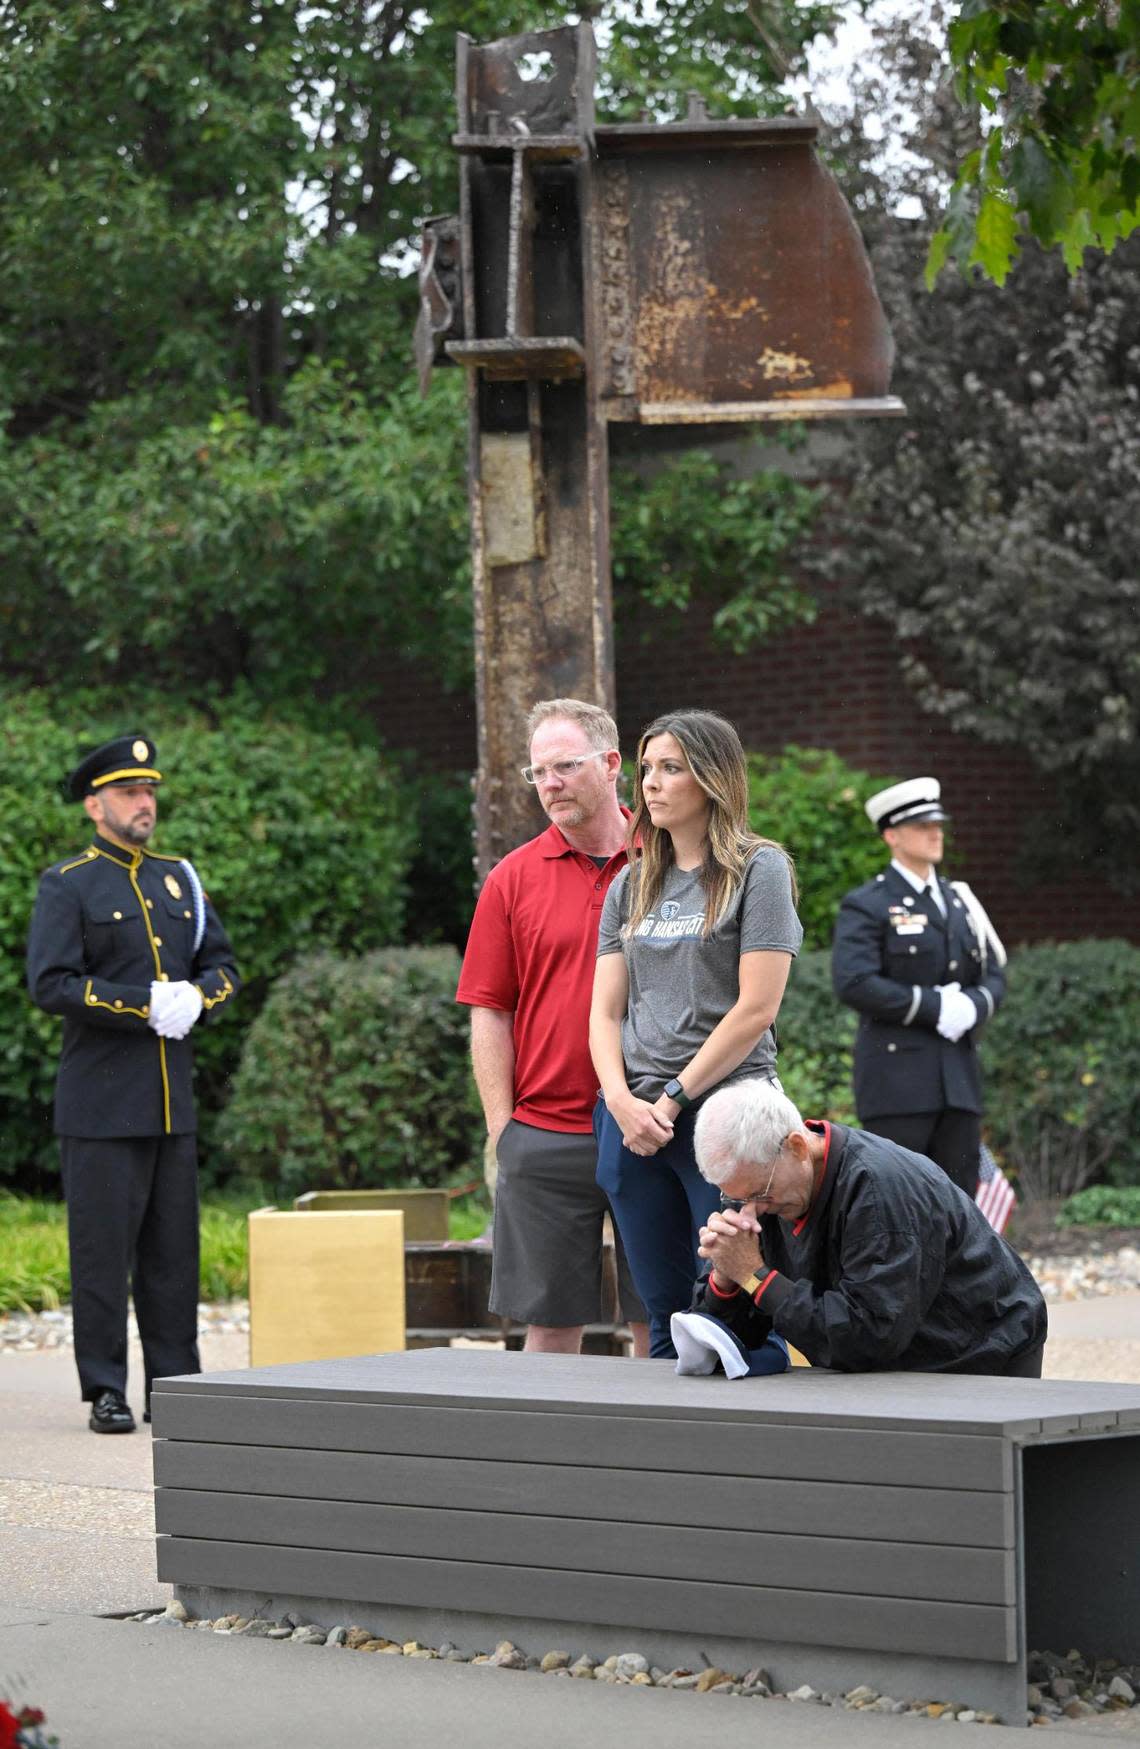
(110, 1413)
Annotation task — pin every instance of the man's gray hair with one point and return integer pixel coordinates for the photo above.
(598, 725)
(744, 1124)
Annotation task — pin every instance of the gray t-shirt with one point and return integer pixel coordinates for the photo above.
(681, 985)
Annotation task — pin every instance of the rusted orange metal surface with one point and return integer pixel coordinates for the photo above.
(736, 277)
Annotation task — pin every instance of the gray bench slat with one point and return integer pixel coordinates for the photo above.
(969, 1462)
(919, 1515)
(569, 1384)
(735, 1556)
(986, 1632)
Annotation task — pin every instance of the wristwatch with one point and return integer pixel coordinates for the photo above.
(673, 1090)
(752, 1285)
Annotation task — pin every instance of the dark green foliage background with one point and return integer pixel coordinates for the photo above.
(815, 1036)
(811, 801)
(356, 1073)
(302, 837)
(1062, 1062)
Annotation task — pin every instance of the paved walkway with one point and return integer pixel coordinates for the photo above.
(76, 1545)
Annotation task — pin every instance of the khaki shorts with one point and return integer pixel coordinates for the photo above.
(547, 1235)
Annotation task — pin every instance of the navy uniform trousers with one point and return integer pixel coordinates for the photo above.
(107, 924)
(892, 947)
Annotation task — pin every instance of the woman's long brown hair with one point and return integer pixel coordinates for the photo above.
(713, 753)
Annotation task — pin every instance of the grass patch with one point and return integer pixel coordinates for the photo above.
(34, 1273)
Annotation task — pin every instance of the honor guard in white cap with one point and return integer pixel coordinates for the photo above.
(126, 947)
(918, 959)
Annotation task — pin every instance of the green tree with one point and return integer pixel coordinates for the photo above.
(994, 527)
(212, 462)
(694, 525)
(1059, 81)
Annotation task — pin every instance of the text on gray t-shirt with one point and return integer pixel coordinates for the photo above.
(681, 985)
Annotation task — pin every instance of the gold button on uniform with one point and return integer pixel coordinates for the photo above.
(118, 1002)
(158, 941)
(164, 977)
(92, 998)
(150, 904)
(118, 916)
(185, 913)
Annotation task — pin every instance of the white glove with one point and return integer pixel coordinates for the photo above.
(956, 1014)
(174, 1008)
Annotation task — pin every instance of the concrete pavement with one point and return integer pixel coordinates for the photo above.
(76, 1545)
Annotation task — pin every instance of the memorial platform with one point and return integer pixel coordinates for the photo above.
(915, 1531)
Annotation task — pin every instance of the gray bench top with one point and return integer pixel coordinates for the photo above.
(1019, 1409)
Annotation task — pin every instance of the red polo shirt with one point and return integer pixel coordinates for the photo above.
(531, 952)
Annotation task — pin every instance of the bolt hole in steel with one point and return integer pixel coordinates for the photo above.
(535, 66)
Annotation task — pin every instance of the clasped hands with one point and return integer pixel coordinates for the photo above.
(956, 1013)
(645, 1128)
(174, 1007)
(731, 1243)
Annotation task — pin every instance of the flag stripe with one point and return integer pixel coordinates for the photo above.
(996, 1199)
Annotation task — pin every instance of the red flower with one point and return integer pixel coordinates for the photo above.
(9, 1725)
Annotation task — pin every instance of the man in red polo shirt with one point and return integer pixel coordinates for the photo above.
(527, 977)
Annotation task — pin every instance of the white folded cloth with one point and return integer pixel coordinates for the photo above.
(701, 1341)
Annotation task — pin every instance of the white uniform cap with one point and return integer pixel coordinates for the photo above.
(912, 802)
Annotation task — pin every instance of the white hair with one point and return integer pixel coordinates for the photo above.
(743, 1124)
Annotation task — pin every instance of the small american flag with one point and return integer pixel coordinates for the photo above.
(994, 1195)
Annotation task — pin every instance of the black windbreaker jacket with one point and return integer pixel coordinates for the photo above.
(892, 1269)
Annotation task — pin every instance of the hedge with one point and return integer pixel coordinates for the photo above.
(302, 836)
(356, 1073)
(1062, 1066)
(815, 1036)
(811, 801)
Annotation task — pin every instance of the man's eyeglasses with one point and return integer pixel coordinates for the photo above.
(562, 769)
(740, 1203)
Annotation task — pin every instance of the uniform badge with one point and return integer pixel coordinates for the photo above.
(140, 750)
(172, 886)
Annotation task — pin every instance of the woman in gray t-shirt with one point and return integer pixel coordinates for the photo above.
(696, 940)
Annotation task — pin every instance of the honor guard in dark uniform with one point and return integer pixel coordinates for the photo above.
(125, 945)
(919, 960)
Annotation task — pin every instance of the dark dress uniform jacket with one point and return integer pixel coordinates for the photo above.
(891, 947)
(892, 1269)
(105, 926)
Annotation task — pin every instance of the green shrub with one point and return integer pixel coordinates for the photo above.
(1062, 1064)
(811, 802)
(302, 837)
(815, 1036)
(356, 1073)
(1102, 1205)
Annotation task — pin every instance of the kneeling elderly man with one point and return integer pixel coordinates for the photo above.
(864, 1256)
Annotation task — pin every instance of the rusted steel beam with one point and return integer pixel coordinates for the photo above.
(688, 273)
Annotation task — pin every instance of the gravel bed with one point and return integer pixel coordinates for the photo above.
(35, 1330)
(1067, 1688)
(1091, 1274)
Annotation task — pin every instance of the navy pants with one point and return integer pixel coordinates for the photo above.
(659, 1201)
(132, 1214)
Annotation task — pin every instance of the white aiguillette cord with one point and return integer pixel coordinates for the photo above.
(983, 928)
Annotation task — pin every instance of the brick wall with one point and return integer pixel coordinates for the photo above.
(834, 684)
